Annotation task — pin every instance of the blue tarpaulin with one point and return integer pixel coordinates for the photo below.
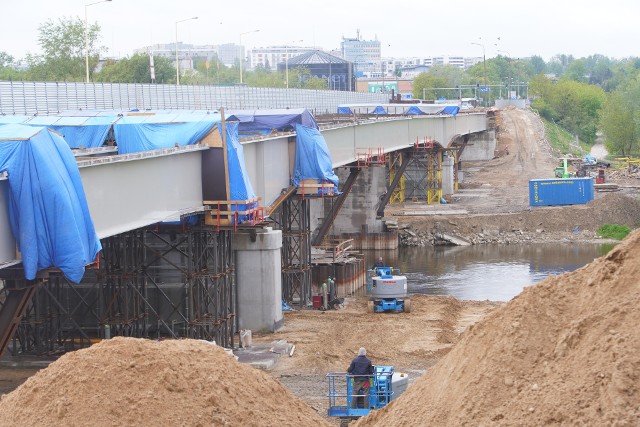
(239, 183)
(265, 121)
(48, 209)
(379, 110)
(414, 110)
(344, 110)
(451, 109)
(313, 160)
(79, 132)
(152, 132)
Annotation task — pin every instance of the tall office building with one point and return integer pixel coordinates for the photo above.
(364, 54)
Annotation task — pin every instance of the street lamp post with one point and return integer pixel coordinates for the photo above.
(509, 83)
(178, 59)
(484, 65)
(286, 62)
(86, 36)
(241, 53)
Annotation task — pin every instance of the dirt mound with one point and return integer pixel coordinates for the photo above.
(132, 382)
(564, 352)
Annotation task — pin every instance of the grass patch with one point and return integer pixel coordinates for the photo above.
(614, 231)
(563, 142)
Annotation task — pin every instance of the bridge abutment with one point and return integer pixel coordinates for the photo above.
(481, 146)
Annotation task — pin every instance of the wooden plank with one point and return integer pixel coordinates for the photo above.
(213, 138)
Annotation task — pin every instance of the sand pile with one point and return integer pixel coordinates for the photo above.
(564, 352)
(135, 382)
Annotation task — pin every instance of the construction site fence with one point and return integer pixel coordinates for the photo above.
(48, 98)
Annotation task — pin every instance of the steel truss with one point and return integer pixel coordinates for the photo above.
(296, 250)
(151, 283)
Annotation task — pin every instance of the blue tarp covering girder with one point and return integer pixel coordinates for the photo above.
(239, 183)
(313, 160)
(48, 209)
(451, 109)
(78, 131)
(398, 109)
(152, 132)
(266, 121)
(414, 110)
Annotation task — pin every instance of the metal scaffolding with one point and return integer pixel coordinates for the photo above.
(170, 281)
(434, 176)
(296, 250)
(395, 161)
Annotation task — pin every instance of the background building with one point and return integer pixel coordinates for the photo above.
(338, 73)
(271, 56)
(365, 56)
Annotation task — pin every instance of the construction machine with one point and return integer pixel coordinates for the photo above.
(387, 291)
(348, 404)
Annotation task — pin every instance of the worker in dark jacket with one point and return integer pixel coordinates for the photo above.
(378, 263)
(360, 366)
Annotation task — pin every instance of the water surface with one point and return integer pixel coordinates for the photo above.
(486, 272)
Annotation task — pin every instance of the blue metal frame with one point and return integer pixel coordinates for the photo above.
(341, 392)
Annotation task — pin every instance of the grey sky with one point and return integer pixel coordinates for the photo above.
(404, 28)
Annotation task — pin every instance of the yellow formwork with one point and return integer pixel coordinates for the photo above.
(434, 177)
(397, 197)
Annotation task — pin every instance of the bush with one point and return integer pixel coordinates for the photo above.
(614, 231)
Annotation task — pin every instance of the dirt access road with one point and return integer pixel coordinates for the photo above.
(522, 154)
(328, 341)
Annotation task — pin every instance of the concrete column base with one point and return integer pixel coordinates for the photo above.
(259, 279)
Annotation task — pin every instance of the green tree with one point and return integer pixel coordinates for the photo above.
(577, 71)
(425, 86)
(620, 118)
(137, 70)
(537, 64)
(7, 68)
(62, 44)
(6, 60)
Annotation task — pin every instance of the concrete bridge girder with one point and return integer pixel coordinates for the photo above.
(147, 188)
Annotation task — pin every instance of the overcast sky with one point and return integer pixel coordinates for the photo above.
(405, 28)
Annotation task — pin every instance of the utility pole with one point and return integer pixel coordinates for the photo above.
(484, 64)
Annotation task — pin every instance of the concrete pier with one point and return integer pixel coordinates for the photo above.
(481, 146)
(258, 279)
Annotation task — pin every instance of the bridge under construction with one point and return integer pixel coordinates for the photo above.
(209, 221)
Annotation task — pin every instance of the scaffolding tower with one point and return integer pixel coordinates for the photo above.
(296, 250)
(168, 281)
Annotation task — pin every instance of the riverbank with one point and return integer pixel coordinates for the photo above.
(577, 223)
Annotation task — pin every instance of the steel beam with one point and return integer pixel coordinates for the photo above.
(396, 179)
(335, 208)
(11, 312)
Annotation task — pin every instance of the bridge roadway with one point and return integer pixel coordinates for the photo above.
(125, 192)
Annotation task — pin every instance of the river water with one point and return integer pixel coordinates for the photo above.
(486, 272)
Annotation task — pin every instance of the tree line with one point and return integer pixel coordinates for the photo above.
(583, 95)
(63, 59)
(586, 96)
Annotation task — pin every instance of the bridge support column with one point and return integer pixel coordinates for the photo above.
(258, 278)
(448, 175)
